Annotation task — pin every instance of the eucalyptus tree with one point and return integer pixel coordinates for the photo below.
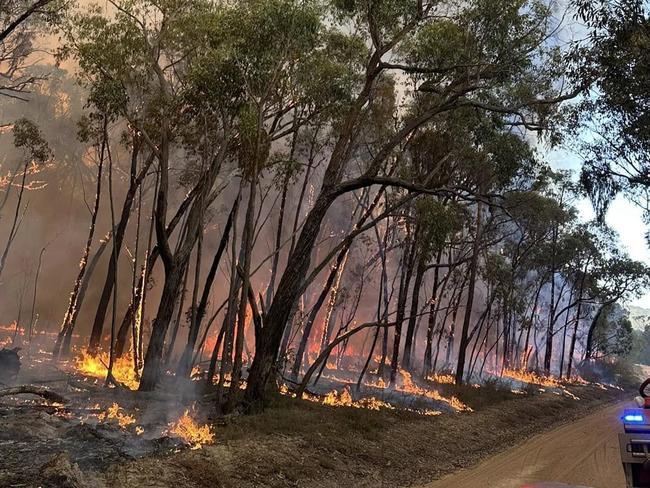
(477, 55)
(500, 163)
(617, 279)
(275, 103)
(614, 334)
(138, 59)
(534, 215)
(612, 122)
(19, 22)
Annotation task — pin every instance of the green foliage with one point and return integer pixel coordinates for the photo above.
(614, 123)
(27, 136)
(613, 334)
(439, 222)
(640, 352)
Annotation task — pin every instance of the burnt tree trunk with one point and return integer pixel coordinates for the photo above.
(177, 321)
(71, 313)
(118, 238)
(184, 364)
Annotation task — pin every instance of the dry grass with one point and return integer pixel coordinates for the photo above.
(303, 444)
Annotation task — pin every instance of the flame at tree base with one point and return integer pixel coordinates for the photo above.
(97, 367)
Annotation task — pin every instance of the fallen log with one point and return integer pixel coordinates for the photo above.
(34, 390)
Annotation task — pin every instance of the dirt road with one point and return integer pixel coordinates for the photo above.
(583, 454)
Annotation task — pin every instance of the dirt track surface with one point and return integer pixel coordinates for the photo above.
(584, 453)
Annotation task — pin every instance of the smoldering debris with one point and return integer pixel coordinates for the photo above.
(79, 428)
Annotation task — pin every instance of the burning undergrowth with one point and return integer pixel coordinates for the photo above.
(338, 389)
(187, 429)
(97, 427)
(433, 395)
(100, 427)
(97, 367)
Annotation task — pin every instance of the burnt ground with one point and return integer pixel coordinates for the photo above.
(292, 444)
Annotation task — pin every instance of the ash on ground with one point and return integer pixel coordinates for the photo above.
(55, 445)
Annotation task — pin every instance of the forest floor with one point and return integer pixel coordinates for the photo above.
(302, 444)
(292, 444)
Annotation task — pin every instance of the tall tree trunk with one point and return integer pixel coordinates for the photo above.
(177, 322)
(402, 296)
(383, 294)
(589, 347)
(16, 220)
(415, 301)
(564, 331)
(286, 334)
(111, 353)
(229, 318)
(278, 235)
(69, 319)
(462, 347)
(531, 325)
(32, 323)
(21, 298)
(118, 237)
(548, 354)
(247, 251)
(153, 359)
(578, 312)
(184, 364)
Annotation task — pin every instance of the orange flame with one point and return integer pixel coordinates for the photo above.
(408, 386)
(97, 367)
(442, 379)
(190, 432)
(531, 378)
(115, 412)
(344, 399)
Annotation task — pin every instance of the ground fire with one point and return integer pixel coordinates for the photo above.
(304, 243)
(190, 432)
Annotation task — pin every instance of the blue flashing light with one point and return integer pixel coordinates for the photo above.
(633, 418)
